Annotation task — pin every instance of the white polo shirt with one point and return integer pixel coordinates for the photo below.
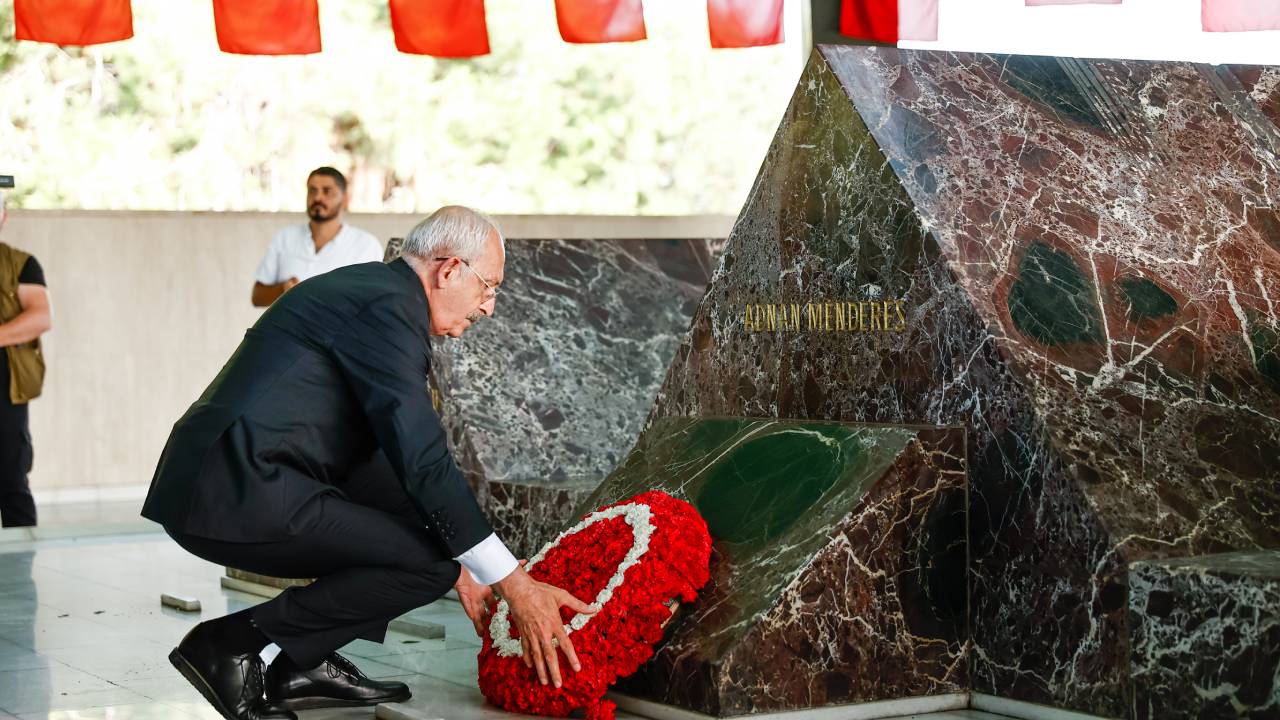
(293, 253)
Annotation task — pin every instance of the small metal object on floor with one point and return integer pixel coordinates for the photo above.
(249, 588)
(261, 585)
(409, 624)
(180, 602)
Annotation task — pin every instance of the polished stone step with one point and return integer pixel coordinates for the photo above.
(1205, 637)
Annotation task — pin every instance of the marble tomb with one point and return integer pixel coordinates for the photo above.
(1073, 263)
(982, 402)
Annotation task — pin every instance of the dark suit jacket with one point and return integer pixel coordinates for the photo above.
(333, 370)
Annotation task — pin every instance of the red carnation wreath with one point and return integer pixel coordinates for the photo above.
(633, 559)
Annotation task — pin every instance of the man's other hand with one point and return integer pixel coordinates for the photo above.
(475, 599)
(535, 611)
(264, 295)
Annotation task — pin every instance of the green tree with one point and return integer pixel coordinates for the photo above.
(166, 121)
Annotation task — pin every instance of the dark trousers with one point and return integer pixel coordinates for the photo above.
(17, 507)
(371, 565)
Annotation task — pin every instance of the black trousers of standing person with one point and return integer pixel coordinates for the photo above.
(372, 559)
(17, 507)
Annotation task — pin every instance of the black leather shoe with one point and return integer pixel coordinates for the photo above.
(230, 681)
(336, 682)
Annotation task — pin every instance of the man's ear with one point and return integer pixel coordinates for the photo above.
(444, 273)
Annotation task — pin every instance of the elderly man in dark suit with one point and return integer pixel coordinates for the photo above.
(258, 474)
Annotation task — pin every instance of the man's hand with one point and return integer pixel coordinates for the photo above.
(264, 295)
(535, 611)
(475, 599)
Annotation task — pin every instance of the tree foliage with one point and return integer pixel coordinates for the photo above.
(165, 121)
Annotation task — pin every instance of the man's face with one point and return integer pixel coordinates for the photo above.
(324, 198)
(459, 296)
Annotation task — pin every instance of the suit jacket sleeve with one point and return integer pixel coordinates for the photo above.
(385, 356)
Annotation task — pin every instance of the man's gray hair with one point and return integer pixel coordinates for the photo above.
(451, 231)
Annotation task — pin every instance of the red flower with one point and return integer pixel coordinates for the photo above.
(615, 641)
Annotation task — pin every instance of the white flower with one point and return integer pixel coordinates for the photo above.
(637, 515)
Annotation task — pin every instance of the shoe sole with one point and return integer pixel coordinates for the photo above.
(317, 702)
(193, 676)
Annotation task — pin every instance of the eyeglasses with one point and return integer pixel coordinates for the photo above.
(491, 289)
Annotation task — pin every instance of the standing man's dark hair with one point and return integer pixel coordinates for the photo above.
(338, 177)
(25, 315)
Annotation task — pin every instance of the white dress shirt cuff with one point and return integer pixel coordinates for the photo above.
(489, 561)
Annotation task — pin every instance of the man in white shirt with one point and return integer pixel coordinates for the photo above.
(309, 249)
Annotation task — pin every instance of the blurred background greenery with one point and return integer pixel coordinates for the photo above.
(167, 122)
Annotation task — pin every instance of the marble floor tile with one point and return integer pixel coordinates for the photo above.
(171, 690)
(459, 631)
(59, 687)
(15, 657)
(436, 698)
(81, 513)
(58, 631)
(201, 711)
(380, 668)
(394, 644)
(456, 666)
(116, 663)
(954, 715)
(142, 711)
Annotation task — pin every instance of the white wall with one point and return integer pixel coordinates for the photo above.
(1133, 29)
(147, 307)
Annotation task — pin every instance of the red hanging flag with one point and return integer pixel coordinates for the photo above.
(267, 27)
(1239, 15)
(889, 21)
(443, 28)
(73, 22)
(744, 23)
(600, 21)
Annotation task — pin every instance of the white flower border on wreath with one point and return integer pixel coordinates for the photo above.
(638, 515)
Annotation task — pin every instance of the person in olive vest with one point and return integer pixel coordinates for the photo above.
(25, 315)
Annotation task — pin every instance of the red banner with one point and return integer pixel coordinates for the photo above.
(443, 28)
(267, 27)
(1239, 15)
(73, 22)
(600, 21)
(870, 20)
(744, 23)
(889, 21)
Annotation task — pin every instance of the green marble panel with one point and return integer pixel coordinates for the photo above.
(764, 485)
(1052, 301)
(1147, 300)
(1266, 354)
(770, 491)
